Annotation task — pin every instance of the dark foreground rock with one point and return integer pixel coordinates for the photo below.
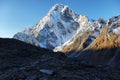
(21, 61)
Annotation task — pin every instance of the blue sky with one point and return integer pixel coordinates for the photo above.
(15, 15)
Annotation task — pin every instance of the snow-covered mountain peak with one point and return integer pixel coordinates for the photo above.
(57, 27)
(63, 10)
(61, 25)
(57, 7)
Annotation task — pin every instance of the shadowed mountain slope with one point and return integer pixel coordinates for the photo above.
(22, 61)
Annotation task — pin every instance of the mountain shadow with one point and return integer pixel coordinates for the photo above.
(103, 57)
(22, 61)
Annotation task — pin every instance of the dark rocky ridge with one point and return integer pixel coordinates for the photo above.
(22, 61)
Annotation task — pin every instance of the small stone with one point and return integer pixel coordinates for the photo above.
(46, 71)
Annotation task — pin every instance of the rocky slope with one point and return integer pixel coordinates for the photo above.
(21, 61)
(105, 49)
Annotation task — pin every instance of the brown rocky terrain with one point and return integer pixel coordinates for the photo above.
(79, 42)
(105, 49)
(21, 61)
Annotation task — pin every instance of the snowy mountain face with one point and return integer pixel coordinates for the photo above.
(87, 33)
(114, 25)
(57, 27)
(65, 31)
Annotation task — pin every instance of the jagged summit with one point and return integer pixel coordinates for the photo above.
(64, 10)
(57, 7)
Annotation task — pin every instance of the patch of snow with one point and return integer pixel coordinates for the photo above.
(65, 7)
(116, 30)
